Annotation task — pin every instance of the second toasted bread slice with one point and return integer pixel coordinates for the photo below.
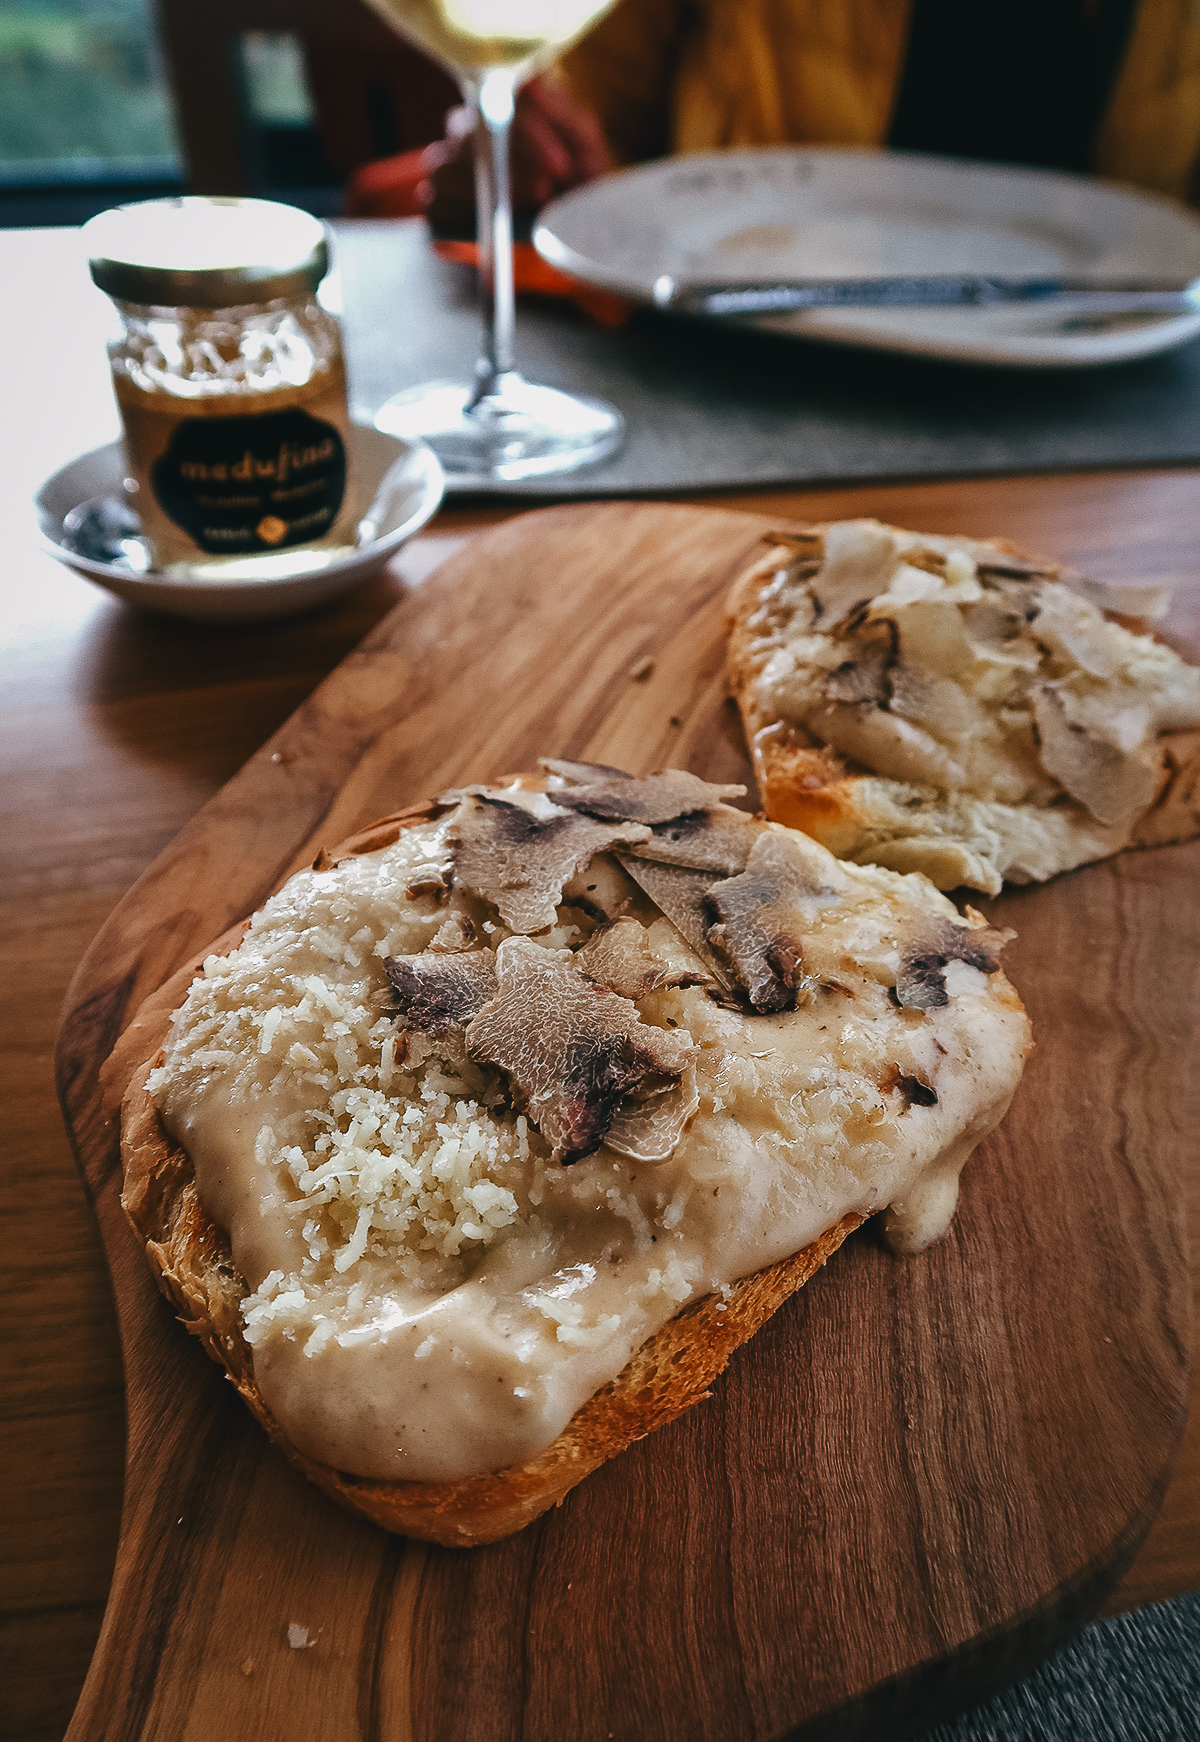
(952, 706)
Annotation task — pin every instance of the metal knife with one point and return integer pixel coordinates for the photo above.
(780, 296)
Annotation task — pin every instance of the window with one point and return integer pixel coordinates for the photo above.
(286, 158)
(84, 114)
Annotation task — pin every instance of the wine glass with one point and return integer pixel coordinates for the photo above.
(501, 427)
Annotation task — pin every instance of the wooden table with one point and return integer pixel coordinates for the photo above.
(116, 728)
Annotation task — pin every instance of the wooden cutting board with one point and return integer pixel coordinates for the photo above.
(919, 1477)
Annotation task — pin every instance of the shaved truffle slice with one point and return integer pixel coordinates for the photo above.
(860, 557)
(457, 931)
(682, 895)
(519, 860)
(719, 841)
(572, 1050)
(863, 674)
(934, 702)
(998, 632)
(990, 562)
(1023, 595)
(801, 546)
(648, 1130)
(616, 956)
(655, 798)
(431, 879)
(1146, 601)
(1073, 628)
(1110, 782)
(602, 889)
(921, 984)
(581, 773)
(765, 912)
(437, 992)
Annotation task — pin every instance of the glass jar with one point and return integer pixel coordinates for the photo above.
(230, 382)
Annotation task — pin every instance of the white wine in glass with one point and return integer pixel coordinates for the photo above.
(501, 427)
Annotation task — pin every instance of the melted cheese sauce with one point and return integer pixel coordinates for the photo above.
(429, 1297)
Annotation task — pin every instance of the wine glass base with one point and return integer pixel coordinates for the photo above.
(517, 431)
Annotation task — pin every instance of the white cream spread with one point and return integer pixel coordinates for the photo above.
(1009, 726)
(429, 1297)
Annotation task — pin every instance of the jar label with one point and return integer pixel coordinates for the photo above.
(252, 484)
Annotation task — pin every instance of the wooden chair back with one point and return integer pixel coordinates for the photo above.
(373, 94)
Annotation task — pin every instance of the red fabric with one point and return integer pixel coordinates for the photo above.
(536, 277)
(397, 187)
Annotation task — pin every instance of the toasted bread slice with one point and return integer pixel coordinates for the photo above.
(957, 707)
(198, 1268)
(670, 1372)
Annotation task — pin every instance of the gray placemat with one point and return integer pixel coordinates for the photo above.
(1135, 1678)
(710, 408)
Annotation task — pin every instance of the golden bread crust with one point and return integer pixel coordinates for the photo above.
(806, 785)
(191, 1260)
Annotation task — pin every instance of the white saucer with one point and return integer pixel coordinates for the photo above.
(399, 485)
(813, 212)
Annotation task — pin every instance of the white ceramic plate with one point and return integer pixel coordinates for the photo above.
(808, 212)
(398, 485)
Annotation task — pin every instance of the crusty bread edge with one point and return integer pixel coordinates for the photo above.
(192, 1262)
(808, 786)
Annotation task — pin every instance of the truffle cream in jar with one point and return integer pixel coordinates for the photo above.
(230, 382)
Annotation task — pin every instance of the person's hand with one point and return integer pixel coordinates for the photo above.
(556, 144)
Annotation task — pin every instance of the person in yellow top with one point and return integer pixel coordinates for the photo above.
(1111, 86)
(1108, 86)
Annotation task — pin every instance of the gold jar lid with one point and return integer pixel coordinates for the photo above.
(206, 252)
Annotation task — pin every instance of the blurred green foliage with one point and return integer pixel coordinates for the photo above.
(81, 79)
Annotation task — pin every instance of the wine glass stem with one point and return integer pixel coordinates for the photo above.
(493, 100)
